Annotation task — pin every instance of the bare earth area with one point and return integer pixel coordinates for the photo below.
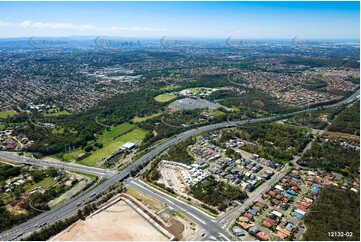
(118, 222)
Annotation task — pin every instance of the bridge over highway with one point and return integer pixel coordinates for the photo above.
(70, 207)
(15, 159)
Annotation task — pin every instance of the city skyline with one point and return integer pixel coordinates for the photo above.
(211, 20)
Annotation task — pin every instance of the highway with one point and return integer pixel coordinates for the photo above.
(59, 165)
(71, 207)
(199, 217)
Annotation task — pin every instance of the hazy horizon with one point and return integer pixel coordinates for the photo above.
(208, 20)
(86, 37)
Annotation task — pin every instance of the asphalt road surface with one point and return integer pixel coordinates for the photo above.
(59, 165)
(204, 220)
(71, 207)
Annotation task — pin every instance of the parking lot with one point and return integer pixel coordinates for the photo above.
(190, 104)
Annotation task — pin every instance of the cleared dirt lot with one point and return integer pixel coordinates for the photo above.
(118, 222)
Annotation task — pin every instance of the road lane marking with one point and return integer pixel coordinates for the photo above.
(225, 237)
(166, 199)
(169, 201)
(164, 194)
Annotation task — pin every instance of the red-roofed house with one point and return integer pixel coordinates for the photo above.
(329, 176)
(283, 231)
(303, 208)
(261, 236)
(294, 188)
(246, 225)
(266, 224)
(272, 193)
(248, 215)
(275, 201)
(306, 204)
(260, 205)
(281, 235)
(295, 172)
(318, 180)
(270, 221)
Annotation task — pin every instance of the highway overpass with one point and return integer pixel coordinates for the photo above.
(71, 207)
(15, 159)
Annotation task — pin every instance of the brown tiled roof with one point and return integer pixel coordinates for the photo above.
(248, 215)
(262, 236)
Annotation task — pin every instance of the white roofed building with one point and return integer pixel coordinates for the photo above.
(127, 146)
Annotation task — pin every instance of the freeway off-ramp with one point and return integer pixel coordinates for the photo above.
(70, 207)
(60, 165)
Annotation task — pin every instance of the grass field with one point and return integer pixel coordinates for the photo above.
(112, 140)
(8, 113)
(115, 132)
(164, 97)
(172, 104)
(46, 183)
(169, 88)
(138, 120)
(235, 109)
(156, 204)
(105, 138)
(216, 113)
(71, 156)
(64, 112)
(194, 90)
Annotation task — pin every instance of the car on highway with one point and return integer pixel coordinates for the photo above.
(68, 207)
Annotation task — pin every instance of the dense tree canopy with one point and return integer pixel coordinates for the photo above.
(217, 193)
(348, 121)
(332, 157)
(335, 210)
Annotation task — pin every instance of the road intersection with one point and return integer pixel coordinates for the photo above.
(70, 207)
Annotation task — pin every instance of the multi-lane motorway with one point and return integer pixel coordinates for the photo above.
(70, 207)
(59, 165)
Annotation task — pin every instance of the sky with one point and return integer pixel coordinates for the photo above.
(249, 20)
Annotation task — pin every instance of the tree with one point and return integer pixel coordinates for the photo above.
(37, 175)
(88, 149)
(80, 214)
(52, 172)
